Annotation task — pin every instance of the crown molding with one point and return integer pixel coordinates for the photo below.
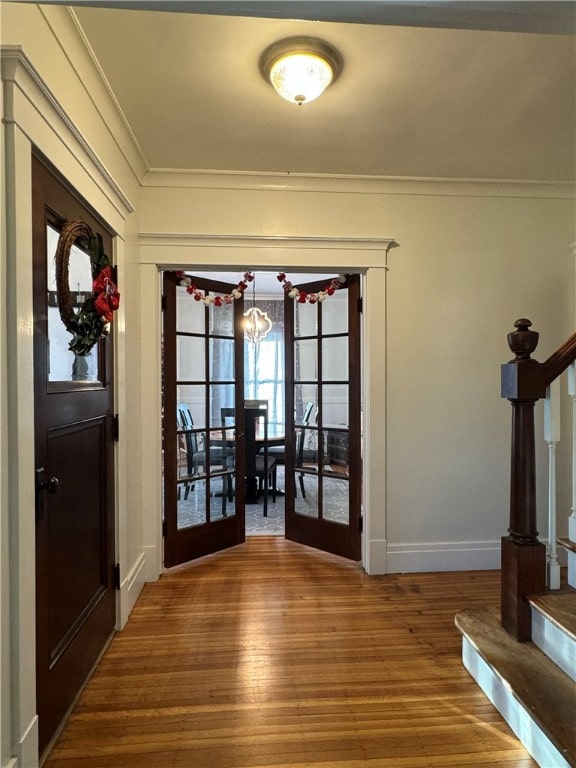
(368, 185)
(27, 97)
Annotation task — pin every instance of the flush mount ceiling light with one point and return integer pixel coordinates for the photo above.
(300, 68)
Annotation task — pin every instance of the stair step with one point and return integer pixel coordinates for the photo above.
(554, 628)
(537, 700)
(570, 546)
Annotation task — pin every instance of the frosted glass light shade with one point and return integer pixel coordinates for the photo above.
(300, 77)
(301, 68)
(257, 325)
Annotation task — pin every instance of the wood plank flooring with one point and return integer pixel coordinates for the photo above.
(274, 654)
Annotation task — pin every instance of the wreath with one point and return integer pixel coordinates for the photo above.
(92, 320)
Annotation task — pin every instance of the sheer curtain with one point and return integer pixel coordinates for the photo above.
(264, 365)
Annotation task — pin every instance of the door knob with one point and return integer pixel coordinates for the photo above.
(51, 486)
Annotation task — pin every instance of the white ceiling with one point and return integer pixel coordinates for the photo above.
(411, 101)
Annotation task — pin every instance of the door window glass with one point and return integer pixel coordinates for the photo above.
(190, 358)
(306, 360)
(222, 321)
(305, 320)
(335, 452)
(306, 505)
(335, 313)
(205, 384)
(336, 504)
(222, 359)
(190, 314)
(64, 365)
(335, 358)
(335, 406)
(304, 394)
(192, 396)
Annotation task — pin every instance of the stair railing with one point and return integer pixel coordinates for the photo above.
(572, 518)
(552, 435)
(524, 566)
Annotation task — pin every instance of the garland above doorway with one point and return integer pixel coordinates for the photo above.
(289, 289)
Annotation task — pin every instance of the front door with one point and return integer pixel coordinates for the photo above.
(203, 402)
(323, 414)
(74, 434)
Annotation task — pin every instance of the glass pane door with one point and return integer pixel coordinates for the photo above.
(323, 489)
(203, 384)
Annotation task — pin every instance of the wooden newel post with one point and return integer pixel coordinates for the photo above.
(523, 556)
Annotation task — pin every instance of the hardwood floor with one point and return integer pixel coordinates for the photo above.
(274, 654)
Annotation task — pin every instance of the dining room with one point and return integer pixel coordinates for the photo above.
(239, 462)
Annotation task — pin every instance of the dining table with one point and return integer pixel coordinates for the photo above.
(256, 440)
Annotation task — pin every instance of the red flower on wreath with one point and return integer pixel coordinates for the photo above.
(107, 297)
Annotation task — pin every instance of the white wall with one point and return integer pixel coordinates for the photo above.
(472, 259)
(466, 272)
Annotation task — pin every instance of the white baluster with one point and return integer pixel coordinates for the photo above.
(552, 436)
(572, 393)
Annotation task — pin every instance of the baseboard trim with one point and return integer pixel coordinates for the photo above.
(130, 588)
(375, 563)
(152, 564)
(443, 556)
(28, 746)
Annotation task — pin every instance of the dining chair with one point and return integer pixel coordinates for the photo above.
(221, 456)
(300, 445)
(258, 459)
(279, 451)
(190, 443)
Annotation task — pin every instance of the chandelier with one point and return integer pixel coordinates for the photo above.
(257, 324)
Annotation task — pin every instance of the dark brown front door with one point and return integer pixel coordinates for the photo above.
(203, 402)
(323, 413)
(75, 596)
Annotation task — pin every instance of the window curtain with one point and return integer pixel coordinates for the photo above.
(264, 364)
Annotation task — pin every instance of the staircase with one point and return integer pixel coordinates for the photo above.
(531, 684)
(524, 656)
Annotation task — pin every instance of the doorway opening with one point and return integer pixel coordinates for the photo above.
(305, 375)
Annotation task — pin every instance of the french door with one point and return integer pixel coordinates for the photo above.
(323, 415)
(203, 402)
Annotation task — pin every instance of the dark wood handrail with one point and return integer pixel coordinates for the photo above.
(524, 382)
(560, 360)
